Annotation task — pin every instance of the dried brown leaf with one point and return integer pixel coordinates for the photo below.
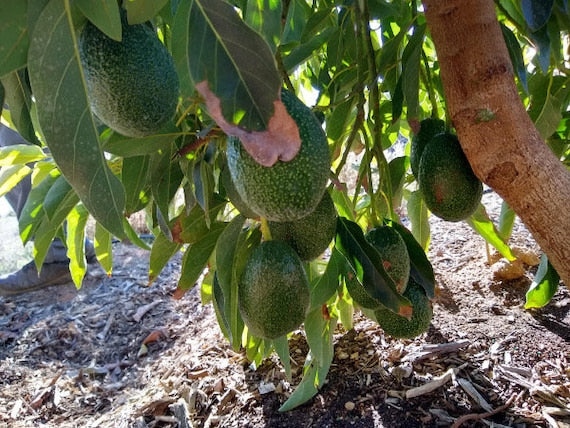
(280, 141)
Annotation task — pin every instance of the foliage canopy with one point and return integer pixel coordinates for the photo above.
(369, 71)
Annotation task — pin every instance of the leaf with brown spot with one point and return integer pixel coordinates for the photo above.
(233, 68)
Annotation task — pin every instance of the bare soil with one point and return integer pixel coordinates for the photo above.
(119, 353)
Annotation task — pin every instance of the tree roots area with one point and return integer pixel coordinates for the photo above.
(118, 353)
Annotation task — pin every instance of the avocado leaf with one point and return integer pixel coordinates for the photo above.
(421, 269)
(483, 225)
(196, 257)
(367, 263)
(58, 84)
(543, 286)
(234, 70)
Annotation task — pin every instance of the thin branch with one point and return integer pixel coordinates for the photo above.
(479, 416)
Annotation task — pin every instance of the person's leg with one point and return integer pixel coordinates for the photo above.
(55, 269)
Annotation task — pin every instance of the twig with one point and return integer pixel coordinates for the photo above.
(103, 334)
(478, 416)
(141, 311)
(428, 351)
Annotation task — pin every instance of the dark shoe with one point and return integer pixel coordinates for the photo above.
(27, 278)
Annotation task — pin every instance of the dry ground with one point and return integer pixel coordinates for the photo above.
(118, 353)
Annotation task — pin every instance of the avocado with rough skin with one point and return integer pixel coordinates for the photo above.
(447, 183)
(311, 235)
(132, 84)
(286, 191)
(399, 326)
(273, 292)
(429, 128)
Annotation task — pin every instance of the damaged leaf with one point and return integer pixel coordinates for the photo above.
(233, 68)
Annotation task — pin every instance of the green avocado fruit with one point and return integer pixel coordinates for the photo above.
(132, 84)
(273, 292)
(311, 235)
(429, 128)
(447, 183)
(234, 196)
(399, 326)
(286, 191)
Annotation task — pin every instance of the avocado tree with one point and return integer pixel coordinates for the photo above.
(372, 72)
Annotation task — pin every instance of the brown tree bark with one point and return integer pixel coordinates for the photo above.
(502, 144)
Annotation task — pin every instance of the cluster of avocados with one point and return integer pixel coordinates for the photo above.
(446, 181)
(133, 88)
(273, 293)
(396, 261)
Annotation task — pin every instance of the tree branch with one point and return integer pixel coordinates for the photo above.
(497, 135)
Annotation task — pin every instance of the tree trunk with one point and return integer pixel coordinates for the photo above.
(499, 139)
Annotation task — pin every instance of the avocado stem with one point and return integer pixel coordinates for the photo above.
(265, 232)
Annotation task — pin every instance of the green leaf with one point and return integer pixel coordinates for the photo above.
(194, 226)
(19, 98)
(140, 11)
(180, 49)
(483, 225)
(327, 284)
(516, 55)
(543, 286)
(161, 252)
(345, 313)
(75, 240)
(20, 154)
(303, 52)
(343, 203)
(537, 12)
(235, 61)
(55, 196)
(341, 116)
(397, 101)
(104, 248)
(204, 185)
(551, 112)
(421, 269)
(542, 40)
(135, 179)
(390, 54)
(307, 388)
(49, 228)
(282, 348)
(14, 37)
(419, 217)
(319, 333)
(166, 177)
(397, 168)
(196, 256)
(120, 145)
(506, 222)
(367, 263)
(133, 236)
(33, 213)
(104, 14)
(264, 16)
(411, 71)
(226, 250)
(62, 104)
(10, 176)
(217, 298)
(297, 17)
